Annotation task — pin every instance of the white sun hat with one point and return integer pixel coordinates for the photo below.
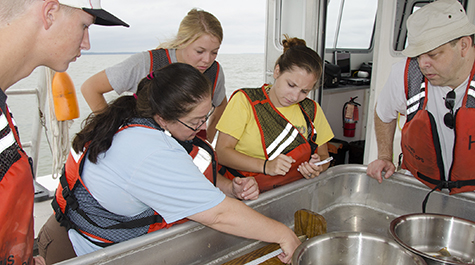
(436, 24)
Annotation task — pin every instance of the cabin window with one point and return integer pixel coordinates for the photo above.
(400, 31)
(290, 9)
(350, 24)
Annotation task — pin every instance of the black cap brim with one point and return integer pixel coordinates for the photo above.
(105, 18)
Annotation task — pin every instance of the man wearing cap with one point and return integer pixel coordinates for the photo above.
(434, 88)
(33, 33)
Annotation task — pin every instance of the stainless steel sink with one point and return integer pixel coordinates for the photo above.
(347, 198)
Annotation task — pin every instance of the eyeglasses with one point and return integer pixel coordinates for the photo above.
(201, 124)
(449, 119)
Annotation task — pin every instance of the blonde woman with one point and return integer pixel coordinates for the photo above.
(197, 43)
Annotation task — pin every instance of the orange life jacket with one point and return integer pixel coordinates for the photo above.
(420, 141)
(278, 136)
(76, 208)
(17, 191)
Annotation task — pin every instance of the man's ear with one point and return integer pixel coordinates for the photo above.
(49, 12)
(465, 45)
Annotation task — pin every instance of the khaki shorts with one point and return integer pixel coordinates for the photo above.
(53, 242)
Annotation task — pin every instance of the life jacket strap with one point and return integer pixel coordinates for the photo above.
(66, 192)
(311, 135)
(443, 184)
(233, 172)
(62, 219)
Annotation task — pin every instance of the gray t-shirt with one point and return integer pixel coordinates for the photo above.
(126, 75)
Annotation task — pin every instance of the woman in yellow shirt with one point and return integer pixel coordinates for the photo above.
(275, 133)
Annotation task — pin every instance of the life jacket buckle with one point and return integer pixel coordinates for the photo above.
(62, 219)
(59, 216)
(451, 184)
(66, 192)
(69, 197)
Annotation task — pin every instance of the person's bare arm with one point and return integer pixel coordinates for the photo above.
(234, 217)
(228, 156)
(213, 120)
(385, 139)
(93, 90)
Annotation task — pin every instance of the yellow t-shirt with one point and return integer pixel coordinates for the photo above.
(238, 121)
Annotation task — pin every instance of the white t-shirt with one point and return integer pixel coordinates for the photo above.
(145, 168)
(126, 75)
(392, 100)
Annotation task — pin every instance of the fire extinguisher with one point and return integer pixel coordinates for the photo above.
(350, 117)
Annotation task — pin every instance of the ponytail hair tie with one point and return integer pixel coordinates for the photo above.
(135, 96)
(150, 76)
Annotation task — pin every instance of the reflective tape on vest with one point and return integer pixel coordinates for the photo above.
(414, 99)
(412, 109)
(289, 129)
(3, 121)
(7, 141)
(75, 155)
(471, 90)
(202, 159)
(279, 138)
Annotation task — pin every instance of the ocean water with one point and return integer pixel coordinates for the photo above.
(241, 70)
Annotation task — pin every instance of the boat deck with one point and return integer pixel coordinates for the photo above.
(42, 209)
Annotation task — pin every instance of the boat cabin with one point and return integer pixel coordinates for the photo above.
(363, 37)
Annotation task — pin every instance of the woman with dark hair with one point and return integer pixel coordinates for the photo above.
(132, 170)
(275, 133)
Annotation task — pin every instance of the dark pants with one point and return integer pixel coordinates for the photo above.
(53, 242)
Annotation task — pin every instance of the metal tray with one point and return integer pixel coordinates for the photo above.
(347, 198)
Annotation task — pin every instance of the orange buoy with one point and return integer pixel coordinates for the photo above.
(64, 97)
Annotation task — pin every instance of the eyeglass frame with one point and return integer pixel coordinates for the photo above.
(201, 124)
(449, 118)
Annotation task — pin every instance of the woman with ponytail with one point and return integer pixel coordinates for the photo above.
(275, 133)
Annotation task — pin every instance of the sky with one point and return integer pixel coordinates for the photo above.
(155, 21)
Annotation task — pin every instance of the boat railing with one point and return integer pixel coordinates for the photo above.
(33, 144)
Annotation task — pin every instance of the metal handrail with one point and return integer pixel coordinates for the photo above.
(41, 193)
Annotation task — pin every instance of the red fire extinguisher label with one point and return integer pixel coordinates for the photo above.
(349, 111)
